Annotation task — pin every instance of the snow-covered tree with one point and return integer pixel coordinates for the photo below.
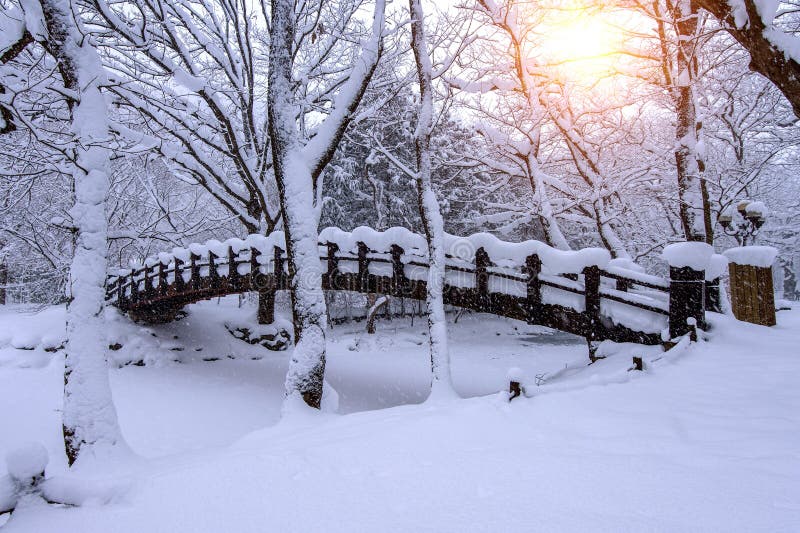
(430, 212)
(89, 417)
(298, 163)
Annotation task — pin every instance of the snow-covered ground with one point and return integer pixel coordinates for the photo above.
(706, 439)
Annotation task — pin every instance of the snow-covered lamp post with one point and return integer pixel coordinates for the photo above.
(745, 226)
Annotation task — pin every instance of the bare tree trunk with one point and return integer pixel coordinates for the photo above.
(89, 417)
(430, 213)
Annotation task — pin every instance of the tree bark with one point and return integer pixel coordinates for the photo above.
(766, 57)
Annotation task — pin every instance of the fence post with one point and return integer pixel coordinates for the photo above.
(686, 291)
(591, 284)
(255, 269)
(622, 285)
(212, 267)
(363, 267)
(121, 292)
(482, 263)
(398, 271)
(134, 287)
(533, 267)
(148, 282)
(194, 280)
(162, 278)
(233, 269)
(333, 265)
(178, 275)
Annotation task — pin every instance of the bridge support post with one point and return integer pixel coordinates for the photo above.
(686, 299)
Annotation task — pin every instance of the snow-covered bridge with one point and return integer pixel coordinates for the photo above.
(582, 292)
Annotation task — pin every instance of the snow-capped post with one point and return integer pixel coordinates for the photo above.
(533, 267)
(482, 263)
(752, 292)
(591, 294)
(399, 281)
(687, 264)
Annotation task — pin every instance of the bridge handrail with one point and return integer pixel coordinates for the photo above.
(154, 269)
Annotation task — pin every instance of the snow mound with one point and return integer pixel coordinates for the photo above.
(717, 266)
(758, 256)
(27, 461)
(695, 255)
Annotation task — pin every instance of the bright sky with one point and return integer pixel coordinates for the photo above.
(581, 46)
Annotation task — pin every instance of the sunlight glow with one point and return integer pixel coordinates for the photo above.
(580, 49)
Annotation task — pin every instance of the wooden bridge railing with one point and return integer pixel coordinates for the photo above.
(586, 304)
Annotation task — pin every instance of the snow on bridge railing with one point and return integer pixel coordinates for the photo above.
(581, 280)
